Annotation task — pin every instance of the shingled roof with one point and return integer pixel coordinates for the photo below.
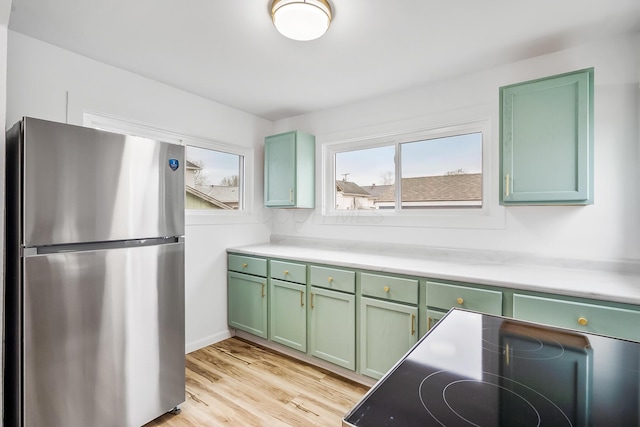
(223, 193)
(377, 190)
(212, 201)
(463, 187)
(351, 189)
(191, 165)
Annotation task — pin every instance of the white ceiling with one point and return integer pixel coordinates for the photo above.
(229, 51)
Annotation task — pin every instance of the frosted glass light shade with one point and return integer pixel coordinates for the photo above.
(301, 19)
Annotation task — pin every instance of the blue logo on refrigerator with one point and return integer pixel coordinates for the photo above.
(174, 164)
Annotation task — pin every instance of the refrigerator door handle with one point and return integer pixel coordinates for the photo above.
(96, 246)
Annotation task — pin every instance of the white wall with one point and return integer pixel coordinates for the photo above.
(5, 7)
(609, 229)
(38, 79)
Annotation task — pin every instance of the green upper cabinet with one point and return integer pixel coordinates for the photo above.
(289, 170)
(546, 141)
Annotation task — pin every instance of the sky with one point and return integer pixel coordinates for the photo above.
(421, 158)
(216, 164)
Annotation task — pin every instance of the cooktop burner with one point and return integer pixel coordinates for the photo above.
(480, 370)
(522, 405)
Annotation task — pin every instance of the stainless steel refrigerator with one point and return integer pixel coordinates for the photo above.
(94, 289)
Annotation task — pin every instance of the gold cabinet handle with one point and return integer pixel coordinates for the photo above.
(583, 321)
(245, 265)
(301, 298)
(262, 289)
(329, 279)
(413, 324)
(311, 300)
(286, 272)
(386, 288)
(460, 301)
(507, 186)
(429, 320)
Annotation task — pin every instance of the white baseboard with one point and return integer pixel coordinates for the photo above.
(203, 342)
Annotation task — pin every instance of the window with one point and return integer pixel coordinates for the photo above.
(441, 172)
(440, 168)
(214, 172)
(213, 179)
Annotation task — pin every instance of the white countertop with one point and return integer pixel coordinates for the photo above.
(609, 281)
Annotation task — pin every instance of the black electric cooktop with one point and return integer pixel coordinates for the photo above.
(473, 369)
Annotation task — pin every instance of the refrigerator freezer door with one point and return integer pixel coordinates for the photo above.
(103, 336)
(86, 185)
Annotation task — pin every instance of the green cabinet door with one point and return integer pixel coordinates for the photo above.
(332, 331)
(247, 303)
(289, 170)
(387, 331)
(546, 140)
(288, 320)
(433, 317)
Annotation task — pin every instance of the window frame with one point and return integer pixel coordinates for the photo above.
(193, 216)
(241, 175)
(436, 216)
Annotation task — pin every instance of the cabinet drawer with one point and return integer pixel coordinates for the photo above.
(598, 319)
(445, 296)
(248, 265)
(289, 271)
(333, 278)
(390, 288)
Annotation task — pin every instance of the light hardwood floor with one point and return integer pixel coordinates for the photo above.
(238, 383)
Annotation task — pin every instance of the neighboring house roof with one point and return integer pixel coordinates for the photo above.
(351, 189)
(222, 193)
(207, 198)
(191, 165)
(463, 187)
(377, 190)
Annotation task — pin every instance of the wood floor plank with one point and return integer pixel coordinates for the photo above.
(238, 383)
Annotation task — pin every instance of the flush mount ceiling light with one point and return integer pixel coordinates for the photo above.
(301, 19)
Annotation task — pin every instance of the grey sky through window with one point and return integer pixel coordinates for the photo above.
(216, 165)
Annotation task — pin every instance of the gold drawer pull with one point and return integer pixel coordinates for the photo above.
(429, 320)
(583, 321)
(460, 301)
(301, 298)
(507, 186)
(329, 279)
(286, 272)
(386, 289)
(262, 289)
(413, 324)
(245, 265)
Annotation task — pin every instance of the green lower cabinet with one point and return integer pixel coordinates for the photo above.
(433, 317)
(444, 296)
(387, 331)
(332, 329)
(247, 303)
(288, 321)
(592, 318)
